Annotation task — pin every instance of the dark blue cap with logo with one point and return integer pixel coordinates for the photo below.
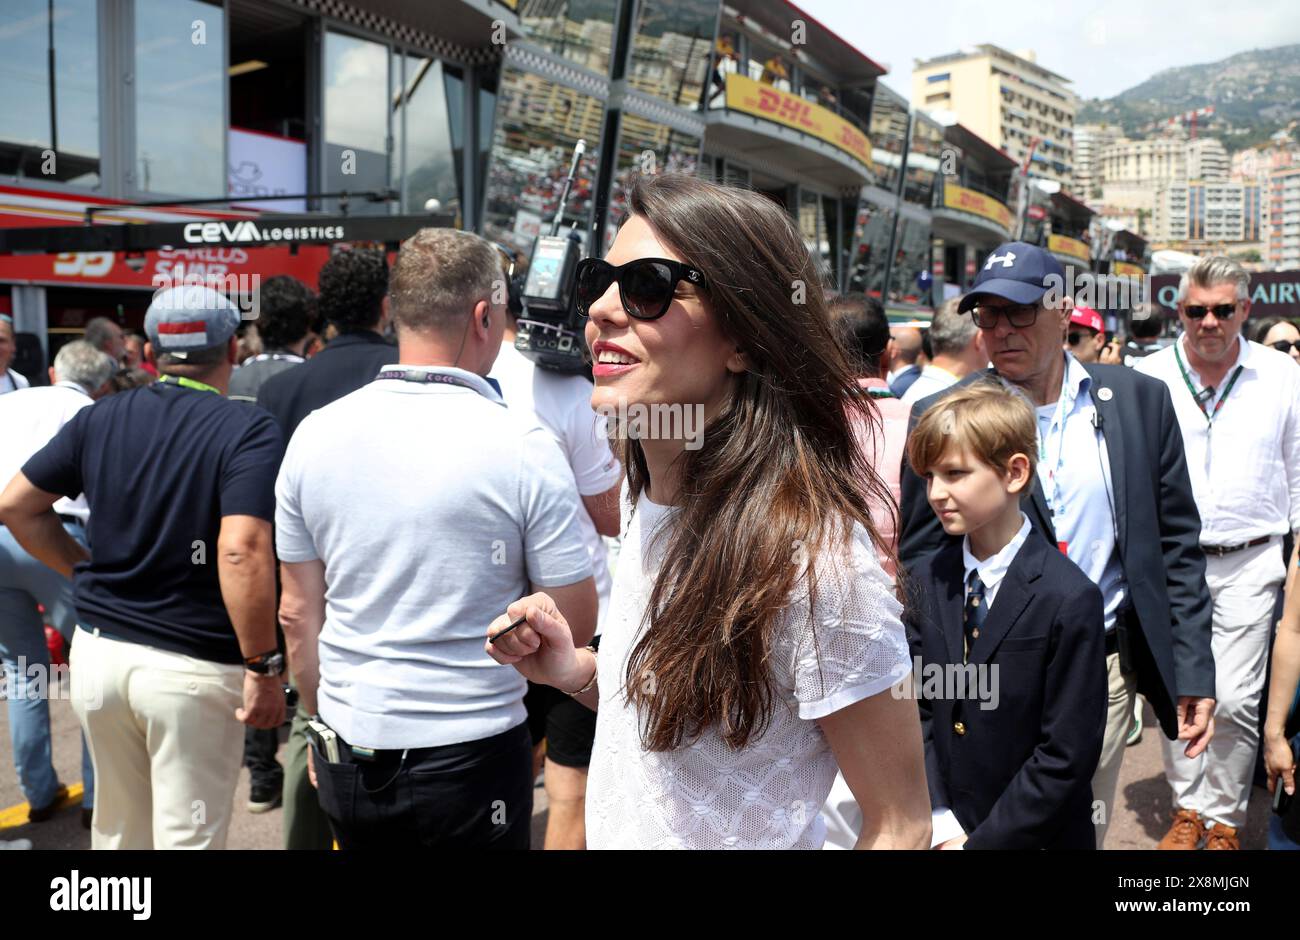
(1017, 271)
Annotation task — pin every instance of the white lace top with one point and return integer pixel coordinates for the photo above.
(705, 795)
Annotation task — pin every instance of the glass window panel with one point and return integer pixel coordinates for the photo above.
(430, 169)
(911, 258)
(923, 161)
(538, 122)
(27, 129)
(670, 49)
(180, 93)
(581, 31)
(888, 137)
(871, 235)
(357, 105)
(645, 146)
(487, 109)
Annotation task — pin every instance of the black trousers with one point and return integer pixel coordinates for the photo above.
(476, 795)
(260, 745)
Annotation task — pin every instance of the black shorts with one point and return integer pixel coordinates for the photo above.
(568, 726)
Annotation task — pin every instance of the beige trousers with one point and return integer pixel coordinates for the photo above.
(164, 741)
(1122, 694)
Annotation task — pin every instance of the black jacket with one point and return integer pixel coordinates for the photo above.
(1158, 528)
(347, 363)
(1018, 775)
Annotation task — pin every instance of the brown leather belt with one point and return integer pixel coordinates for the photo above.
(1220, 550)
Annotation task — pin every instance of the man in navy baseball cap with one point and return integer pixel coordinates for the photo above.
(1018, 272)
(176, 596)
(1020, 303)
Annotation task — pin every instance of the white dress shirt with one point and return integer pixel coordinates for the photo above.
(1074, 470)
(943, 822)
(11, 381)
(30, 418)
(1245, 463)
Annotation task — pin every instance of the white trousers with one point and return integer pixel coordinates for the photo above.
(1217, 783)
(164, 741)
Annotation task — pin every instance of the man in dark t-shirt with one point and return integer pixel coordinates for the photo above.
(175, 640)
(287, 314)
(353, 297)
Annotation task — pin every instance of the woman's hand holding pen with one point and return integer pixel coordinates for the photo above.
(533, 636)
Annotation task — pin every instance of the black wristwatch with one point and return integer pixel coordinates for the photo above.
(266, 664)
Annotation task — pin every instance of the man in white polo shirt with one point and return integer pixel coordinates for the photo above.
(426, 506)
(1238, 406)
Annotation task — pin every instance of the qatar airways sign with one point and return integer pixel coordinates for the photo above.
(1272, 293)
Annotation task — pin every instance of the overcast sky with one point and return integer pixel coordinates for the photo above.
(1103, 46)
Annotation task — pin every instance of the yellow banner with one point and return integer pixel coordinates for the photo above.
(1126, 269)
(967, 200)
(752, 97)
(1069, 246)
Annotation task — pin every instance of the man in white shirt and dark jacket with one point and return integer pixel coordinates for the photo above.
(1238, 405)
(1112, 493)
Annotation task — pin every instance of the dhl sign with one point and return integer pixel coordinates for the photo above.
(1126, 269)
(1064, 245)
(967, 200)
(752, 97)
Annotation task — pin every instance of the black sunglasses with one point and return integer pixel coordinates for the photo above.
(645, 286)
(1018, 315)
(1285, 345)
(1220, 311)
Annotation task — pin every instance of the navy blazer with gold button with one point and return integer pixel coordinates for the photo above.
(1018, 775)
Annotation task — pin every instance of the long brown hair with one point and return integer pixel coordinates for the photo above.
(780, 476)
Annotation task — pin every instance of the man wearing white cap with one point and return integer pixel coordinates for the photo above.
(175, 643)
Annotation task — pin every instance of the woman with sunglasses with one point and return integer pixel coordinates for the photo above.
(1279, 333)
(752, 638)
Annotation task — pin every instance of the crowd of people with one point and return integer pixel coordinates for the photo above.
(906, 595)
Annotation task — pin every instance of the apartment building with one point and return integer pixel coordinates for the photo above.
(1009, 100)
(1283, 246)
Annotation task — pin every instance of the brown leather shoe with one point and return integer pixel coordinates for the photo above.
(1186, 832)
(1222, 838)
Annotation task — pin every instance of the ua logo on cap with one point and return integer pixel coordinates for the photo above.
(1006, 260)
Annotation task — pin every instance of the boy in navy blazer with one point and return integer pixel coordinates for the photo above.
(1008, 638)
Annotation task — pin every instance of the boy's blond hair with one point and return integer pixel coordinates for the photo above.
(990, 420)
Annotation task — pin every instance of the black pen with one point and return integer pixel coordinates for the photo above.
(497, 636)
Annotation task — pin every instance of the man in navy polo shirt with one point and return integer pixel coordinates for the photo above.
(353, 297)
(175, 642)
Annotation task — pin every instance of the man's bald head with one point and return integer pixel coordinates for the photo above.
(907, 344)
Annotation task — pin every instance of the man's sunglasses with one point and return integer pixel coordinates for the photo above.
(1285, 345)
(1220, 311)
(1018, 315)
(646, 285)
